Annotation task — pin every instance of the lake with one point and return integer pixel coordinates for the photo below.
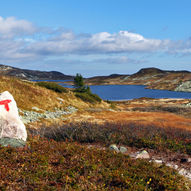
(126, 92)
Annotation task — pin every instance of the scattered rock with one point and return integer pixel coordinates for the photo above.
(113, 147)
(158, 161)
(184, 87)
(71, 109)
(60, 99)
(172, 165)
(11, 125)
(5, 141)
(185, 173)
(32, 116)
(188, 104)
(143, 155)
(36, 109)
(122, 149)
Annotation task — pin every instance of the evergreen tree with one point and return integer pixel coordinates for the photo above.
(79, 83)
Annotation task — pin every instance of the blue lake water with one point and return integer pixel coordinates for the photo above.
(126, 92)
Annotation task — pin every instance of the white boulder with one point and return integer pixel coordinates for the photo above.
(11, 125)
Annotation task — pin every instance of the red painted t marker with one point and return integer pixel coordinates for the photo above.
(5, 103)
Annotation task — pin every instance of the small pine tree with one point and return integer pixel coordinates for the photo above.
(79, 82)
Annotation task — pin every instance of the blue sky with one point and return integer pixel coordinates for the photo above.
(95, 37)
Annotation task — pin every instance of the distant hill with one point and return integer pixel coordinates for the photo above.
(33, 74)
(153, 78)
(155, 71)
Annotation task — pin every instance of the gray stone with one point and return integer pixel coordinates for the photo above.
(17, 143)
(143, 155)
(113, 147)
(122, 149)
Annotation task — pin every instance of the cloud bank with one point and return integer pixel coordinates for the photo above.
(22, 41)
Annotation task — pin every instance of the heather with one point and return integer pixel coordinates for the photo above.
(130, 134)
(49, 165)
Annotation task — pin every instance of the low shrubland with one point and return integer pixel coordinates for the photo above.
(88, 97)
(130, 134)
(170, 109)
(52, 86)
(49, 165)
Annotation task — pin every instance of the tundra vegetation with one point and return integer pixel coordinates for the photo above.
(50, 165)
(58, 156)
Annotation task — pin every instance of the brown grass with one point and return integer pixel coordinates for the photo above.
(145, 118)
(28, 94)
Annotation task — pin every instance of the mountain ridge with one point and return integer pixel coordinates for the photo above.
(33, 74)
(152, 78)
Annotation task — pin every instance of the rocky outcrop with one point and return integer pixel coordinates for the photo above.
(184, 87)
(11, 125)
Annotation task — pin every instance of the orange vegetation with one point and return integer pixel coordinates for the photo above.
(156, 118)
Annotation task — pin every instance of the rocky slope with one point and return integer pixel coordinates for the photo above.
(33, 74)
(153, 78)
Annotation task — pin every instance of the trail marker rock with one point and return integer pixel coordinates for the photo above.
(11, 125)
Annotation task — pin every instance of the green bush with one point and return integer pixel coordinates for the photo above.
(52, 86)
(88, 97)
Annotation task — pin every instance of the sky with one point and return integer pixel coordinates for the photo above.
(95, 37)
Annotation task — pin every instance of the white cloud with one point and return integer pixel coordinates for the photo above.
(20, 41)
(99, 43)
(10, 27)
(182, 47)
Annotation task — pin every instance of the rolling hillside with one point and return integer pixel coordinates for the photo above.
(32, 74)
(153, 78)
